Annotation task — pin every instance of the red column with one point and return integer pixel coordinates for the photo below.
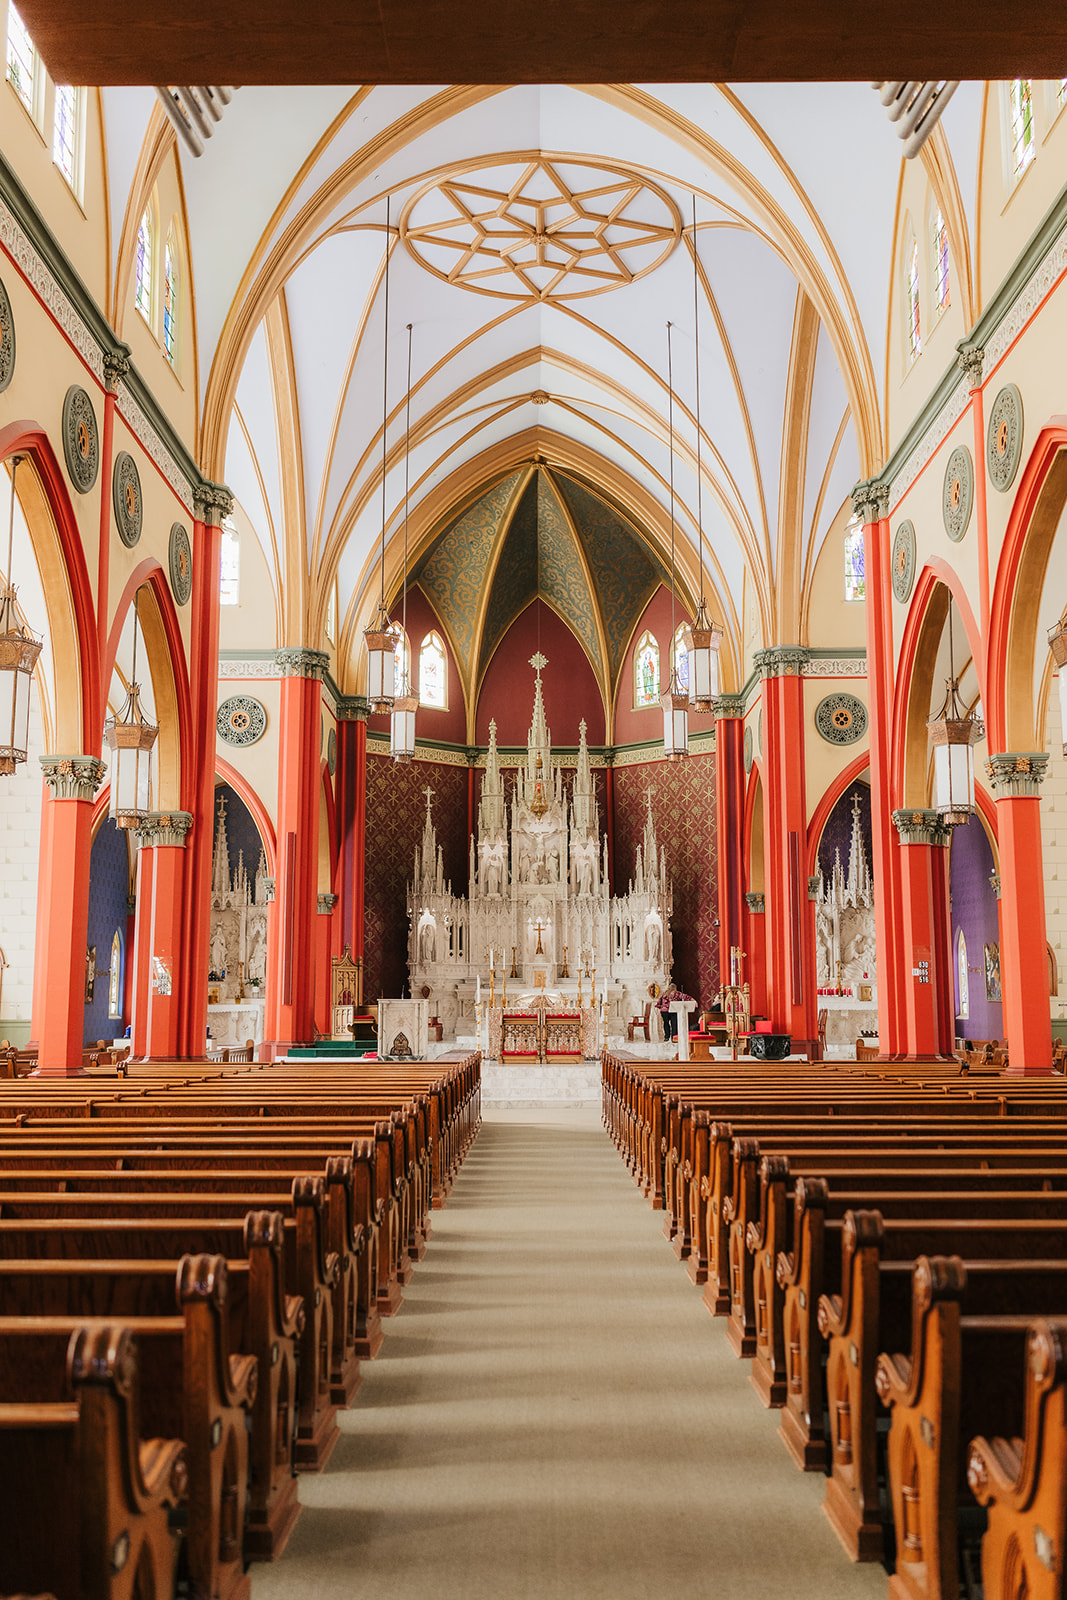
(198, 772)
(63, 912)
(159, 977)
(1016, 780)
(730, 825)
(791, 919)
(871, 501)
(290, 1008)
(925, 935)
(351, 820)
(323, 954)
(756, 946)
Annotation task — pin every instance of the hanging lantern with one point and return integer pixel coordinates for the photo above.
(131, 739)
(953, 735)
(405, 705)
(675, 705)
(381, 662)
(705, 678)
(19, 650)
(402, 726)
(1057, 643)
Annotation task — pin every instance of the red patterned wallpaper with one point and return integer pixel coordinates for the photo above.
(396, 814)
(683, 809)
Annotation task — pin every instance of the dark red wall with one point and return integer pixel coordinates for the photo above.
(569, 683)
(448, 726)
(633, 727)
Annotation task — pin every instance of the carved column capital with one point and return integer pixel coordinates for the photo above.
(269, 886)
(353, 708)
(116, 366)
(73, 777)
(756, 903)
(969, 359)
(781, 661)
(326, 904)
(728, 705)
(211, 502)
(301, 663)
(164, 827)
(870, 500)
(1016, 773)
(921, 826)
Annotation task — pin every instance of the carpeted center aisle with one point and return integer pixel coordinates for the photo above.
(555, 1416)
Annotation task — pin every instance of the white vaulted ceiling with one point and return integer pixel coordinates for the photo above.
(795, 190)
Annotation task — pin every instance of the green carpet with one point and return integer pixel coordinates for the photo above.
(555, 1416)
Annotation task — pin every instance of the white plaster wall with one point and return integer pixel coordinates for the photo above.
(20, 844)
(1054, 846)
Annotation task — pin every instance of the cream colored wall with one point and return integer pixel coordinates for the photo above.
(253, 623)
(833, 622)
(257, 763)
(80, 224)
(823, 762)
(909, 380)
(1009, 211)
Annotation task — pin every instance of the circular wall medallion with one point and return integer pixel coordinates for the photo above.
(7, 340)
(81, 443)
(958, 493)
(841, 718)
(181, 564)
(126, 495)
(748, 751)
(904, 560)
(1004, 437)
(241, 720)
(331, 752)
(543, 229)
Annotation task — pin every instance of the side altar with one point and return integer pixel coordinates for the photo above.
(539, 914)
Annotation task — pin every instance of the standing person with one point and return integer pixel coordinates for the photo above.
(663, 1005)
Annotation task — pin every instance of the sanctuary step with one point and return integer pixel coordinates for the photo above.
(529, 1085)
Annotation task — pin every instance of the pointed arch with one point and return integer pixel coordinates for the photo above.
(227, 773)
(175, 781)
(831, 795)
(915, 674)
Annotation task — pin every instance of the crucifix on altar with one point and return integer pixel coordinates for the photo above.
(540, 926)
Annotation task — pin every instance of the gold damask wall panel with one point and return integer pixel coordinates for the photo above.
(563, 579)
(453, 571)
(624, 573)
(515, 579)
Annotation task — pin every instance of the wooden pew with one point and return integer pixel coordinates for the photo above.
(1023, 1480)
(193, 1386)
(87, 1502)
(963, 1370)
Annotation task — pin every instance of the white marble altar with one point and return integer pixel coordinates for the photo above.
(539, 907)
(844, 919)
(238, 939)
(410, 1018)
(236, 1022)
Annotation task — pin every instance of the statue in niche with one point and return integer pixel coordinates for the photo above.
(218, 950)
(524, 865)
(257, 956)
(427, 943)
(492, 873)
(553, 866)
(585, 876)
(652, 943)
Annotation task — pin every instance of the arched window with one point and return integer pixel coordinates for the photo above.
(855, 561)
(432, 682)
(66, 129)
(230, 564)
(940, 244)
(171, 299)
(1021, 114)
(401, 658)
(114, 983)
(682, 640)
(142, 292)
(646, 671)
(24, 71)
(963, 988)
(911, 296)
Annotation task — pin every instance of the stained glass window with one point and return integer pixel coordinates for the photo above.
(963, 987)
(432, 671)
(65, 133)
(171, 296)
(940, 263)
(915, 342)
(21, 60)
(230, 564)
(114, 987)
(401, 657)
(646, 671)
(142, 294)
(681, 658)
(855, 571)
(1021, 101)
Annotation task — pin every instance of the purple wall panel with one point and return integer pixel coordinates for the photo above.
(974, 909)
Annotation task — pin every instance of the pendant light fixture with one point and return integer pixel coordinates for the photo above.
(405, 705)
(19, 650)
(705, 678)
(674, 701)
(381, 662)
(131, 738)
(1057, 643)
(953, 734)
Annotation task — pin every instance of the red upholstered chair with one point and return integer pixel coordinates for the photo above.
(640, 1024)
